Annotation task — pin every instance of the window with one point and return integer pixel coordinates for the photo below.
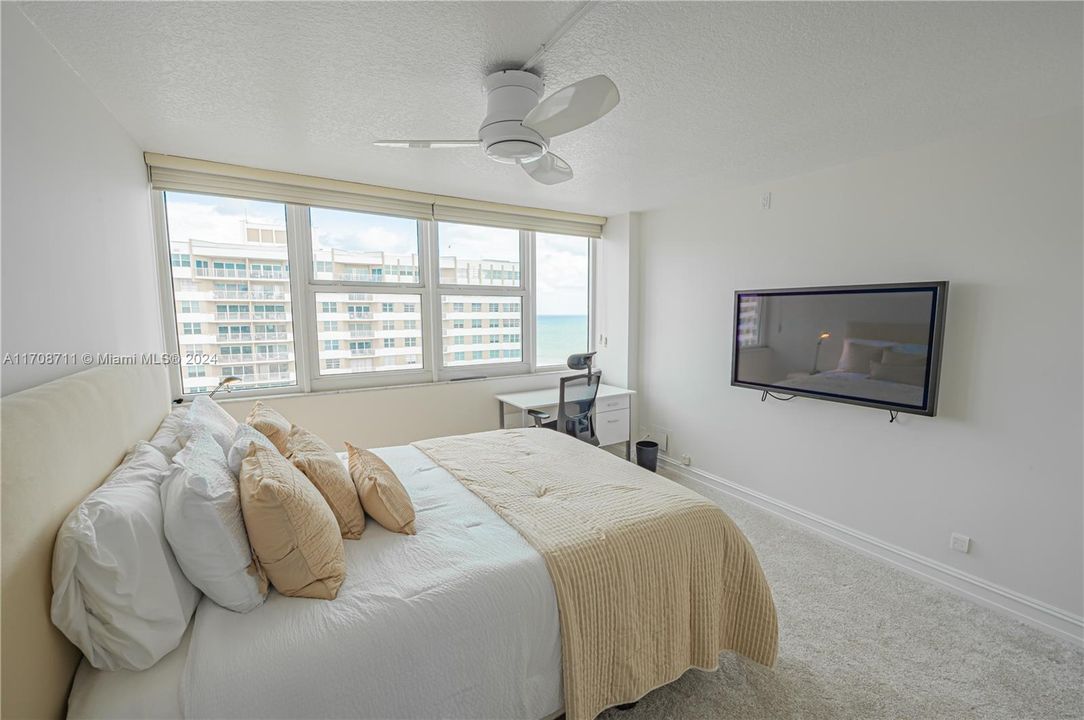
(750, 321)
(218, 230)
(363, 328)
(497, 342)
(562, 297)
(475, 255)
(380, 300)
(359, 247)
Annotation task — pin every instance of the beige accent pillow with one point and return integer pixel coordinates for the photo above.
(858, 354)
(271, 424)
(381, 493)
(292, 530)
(906, 374)
(319, 463)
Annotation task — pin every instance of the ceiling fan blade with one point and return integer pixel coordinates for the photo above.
(426, 143)
(571, 108)
(548, 169)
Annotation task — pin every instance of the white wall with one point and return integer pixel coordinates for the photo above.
(616, 299)
(999, 215)
(78, 266)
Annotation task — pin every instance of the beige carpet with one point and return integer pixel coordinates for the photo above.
(859, 639)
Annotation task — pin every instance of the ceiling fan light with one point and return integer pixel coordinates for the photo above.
(513, 152)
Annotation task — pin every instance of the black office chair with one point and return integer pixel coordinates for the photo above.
(576, 402)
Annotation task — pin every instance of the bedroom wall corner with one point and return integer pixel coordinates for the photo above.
(999, 214)
(617, 305)
(79, 273)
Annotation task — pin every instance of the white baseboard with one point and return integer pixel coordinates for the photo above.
(1028, 610)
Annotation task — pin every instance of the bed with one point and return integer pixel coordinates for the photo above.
(464, 620)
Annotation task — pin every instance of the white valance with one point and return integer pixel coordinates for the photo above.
(168, 172)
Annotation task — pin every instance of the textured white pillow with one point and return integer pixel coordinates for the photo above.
(167, 437)
(858, 354)
(208, 414)
(118, 593)
(243, 437)
(203, 523)
(895, 357)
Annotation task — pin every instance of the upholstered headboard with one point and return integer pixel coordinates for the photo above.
(58, 441)
(918, 334)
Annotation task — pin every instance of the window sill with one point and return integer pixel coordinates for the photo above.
(555, 371)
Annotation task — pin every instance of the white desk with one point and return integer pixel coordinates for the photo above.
(612, 411)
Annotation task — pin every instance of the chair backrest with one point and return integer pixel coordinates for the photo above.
(576, 402)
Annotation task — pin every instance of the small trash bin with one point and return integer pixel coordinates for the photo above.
(647, 454)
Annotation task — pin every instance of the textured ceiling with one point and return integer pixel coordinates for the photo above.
(713, 94)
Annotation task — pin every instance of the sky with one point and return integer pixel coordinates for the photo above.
(562, 263)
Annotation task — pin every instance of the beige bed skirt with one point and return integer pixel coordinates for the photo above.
(651, 578)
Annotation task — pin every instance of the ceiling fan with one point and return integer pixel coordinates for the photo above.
(518, 128)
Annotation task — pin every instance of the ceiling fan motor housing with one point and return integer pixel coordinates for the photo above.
(510, 95)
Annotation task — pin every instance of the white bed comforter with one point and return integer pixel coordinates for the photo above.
(458, 621)
(857, 385)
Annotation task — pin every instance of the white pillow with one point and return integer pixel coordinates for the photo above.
(118, 593)
(208, 414)
(167, 437)
(858, 354)
(203, 523)
(243, 437)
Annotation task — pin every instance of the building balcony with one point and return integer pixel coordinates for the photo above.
(360, 315)
(237, 337)
(230, 294)
(271, 336)
(260, 295)
(232, 316)
(361, 335)
(363, 297)
(270, 274)
(264, 357)
(361, 352)
(270, 316)
(236, 357)
(221, 272)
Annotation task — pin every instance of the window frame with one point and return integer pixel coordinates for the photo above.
(303, 307)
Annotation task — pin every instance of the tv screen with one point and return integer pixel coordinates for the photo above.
(873, 345)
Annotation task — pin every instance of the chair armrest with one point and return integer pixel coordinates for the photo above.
(539, 417)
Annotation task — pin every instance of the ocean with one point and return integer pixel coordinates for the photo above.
(560, 336)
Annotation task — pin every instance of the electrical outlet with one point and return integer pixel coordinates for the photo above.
(766, 201)
(960, 543)
(686, 460)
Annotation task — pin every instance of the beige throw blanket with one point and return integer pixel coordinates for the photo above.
(651, 578)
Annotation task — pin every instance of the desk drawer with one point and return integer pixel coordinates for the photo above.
(612, 427)
(618, 402)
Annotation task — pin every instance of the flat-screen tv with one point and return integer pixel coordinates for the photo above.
(872, 345)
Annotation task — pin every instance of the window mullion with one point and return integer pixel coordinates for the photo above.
(527, 324)
(431, 263)
(299, 252)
